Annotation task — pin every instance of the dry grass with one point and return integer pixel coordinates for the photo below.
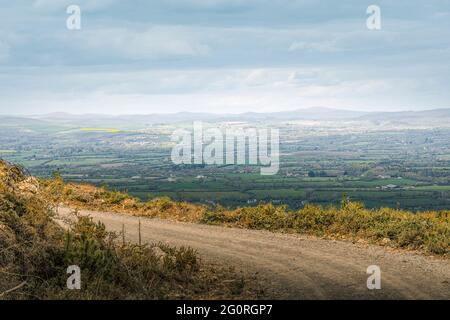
(35, 252)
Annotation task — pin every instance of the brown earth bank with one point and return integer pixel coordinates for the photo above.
(295, 266)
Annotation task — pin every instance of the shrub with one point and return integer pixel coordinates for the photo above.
(428, 231)
(35, 252)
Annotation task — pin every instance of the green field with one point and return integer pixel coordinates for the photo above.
(408, 169)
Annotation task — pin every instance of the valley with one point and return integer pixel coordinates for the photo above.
(379, 162)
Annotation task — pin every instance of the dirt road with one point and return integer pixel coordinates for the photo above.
(295, 266)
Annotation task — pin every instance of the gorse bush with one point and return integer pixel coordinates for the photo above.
(427, 231)
(35, 252)
(128, 270)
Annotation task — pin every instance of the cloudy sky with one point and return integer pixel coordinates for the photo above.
(164, 56)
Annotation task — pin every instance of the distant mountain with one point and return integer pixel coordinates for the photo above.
(436, 117)
(317, 113)
(27, 124)
(300, 114)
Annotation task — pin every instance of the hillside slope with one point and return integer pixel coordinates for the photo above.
(427, 231)
(297, 267)
(35, 253)
(35, 250)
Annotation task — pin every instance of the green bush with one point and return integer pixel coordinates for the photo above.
(427, 231)
(35, 252)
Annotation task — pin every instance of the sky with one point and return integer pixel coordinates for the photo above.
(222, 56)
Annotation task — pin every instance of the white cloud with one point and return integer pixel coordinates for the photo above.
(220, 55)
(208, 90)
